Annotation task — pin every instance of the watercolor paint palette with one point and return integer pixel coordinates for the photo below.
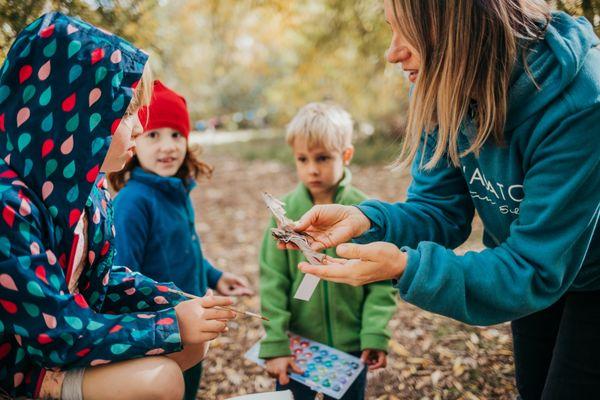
(326, 370)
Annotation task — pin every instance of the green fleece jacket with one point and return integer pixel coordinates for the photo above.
(342, 316)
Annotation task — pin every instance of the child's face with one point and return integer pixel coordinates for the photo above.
(122, 144)
(400, 50)
(161, 151)
(320, 169)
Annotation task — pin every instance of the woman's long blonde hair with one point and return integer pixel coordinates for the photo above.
(468, 49)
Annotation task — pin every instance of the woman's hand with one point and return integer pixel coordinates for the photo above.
(374, 359)
(233, 285)
(278, 368)
(199, 320)
(332, 224)
(361, 264)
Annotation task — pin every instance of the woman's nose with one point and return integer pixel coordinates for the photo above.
(397, 54)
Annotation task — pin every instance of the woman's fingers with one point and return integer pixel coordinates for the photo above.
(331, 271)
(370, 252)
(368, 263)
(307, 219)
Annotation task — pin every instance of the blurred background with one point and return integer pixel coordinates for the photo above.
(245, 67)
(250, 64)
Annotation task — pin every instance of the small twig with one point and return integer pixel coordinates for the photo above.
(285, 232)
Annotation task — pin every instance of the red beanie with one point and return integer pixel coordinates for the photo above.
(167, 109)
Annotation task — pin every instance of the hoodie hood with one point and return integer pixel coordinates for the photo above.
(554, 63)
(64, 87)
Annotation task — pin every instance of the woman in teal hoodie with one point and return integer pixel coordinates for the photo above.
(72, 324)
(504, 119)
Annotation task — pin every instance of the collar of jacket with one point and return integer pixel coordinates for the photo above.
(170, 185)
(339, 192)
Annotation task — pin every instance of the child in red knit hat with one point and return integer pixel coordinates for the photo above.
(154, 217)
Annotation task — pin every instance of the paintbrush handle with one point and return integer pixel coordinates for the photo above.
(248, 313)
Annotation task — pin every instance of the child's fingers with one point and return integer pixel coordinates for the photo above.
(208, 336)
(379, 362)
(213, 301)
(241, 291)
(239, 280)
(295, 368)
(364, 357)
(213, 326)
(284, 379)
(218, 314)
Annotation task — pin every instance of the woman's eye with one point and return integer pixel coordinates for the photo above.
(153, 135)
(176, 135)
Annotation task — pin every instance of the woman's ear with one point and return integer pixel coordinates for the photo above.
(347, 155)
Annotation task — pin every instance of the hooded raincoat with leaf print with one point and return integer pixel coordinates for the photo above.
(63, 89)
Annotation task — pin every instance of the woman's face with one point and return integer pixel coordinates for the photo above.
(122, 144)
(400, 50)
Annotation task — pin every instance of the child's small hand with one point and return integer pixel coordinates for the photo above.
(199, 321)
(374, 359)
(232, 285)
(278, 368)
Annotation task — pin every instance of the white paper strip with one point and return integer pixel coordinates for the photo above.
(281, 395)
(307, 287)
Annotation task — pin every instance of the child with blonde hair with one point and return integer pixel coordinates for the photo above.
(350, 319)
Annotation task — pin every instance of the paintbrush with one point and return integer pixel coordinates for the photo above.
(247, 313)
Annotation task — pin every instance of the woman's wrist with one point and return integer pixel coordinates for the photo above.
(399, 264)
(363, 222)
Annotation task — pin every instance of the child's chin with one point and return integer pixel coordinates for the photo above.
(166, 172)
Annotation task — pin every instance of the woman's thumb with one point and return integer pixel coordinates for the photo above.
(350, 250)
(304, 222)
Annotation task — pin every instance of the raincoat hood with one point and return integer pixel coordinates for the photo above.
(63, 88)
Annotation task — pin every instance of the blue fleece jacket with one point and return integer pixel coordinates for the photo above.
(538, 196)
(155, 232)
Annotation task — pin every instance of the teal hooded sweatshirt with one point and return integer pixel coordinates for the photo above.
(538, 196)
